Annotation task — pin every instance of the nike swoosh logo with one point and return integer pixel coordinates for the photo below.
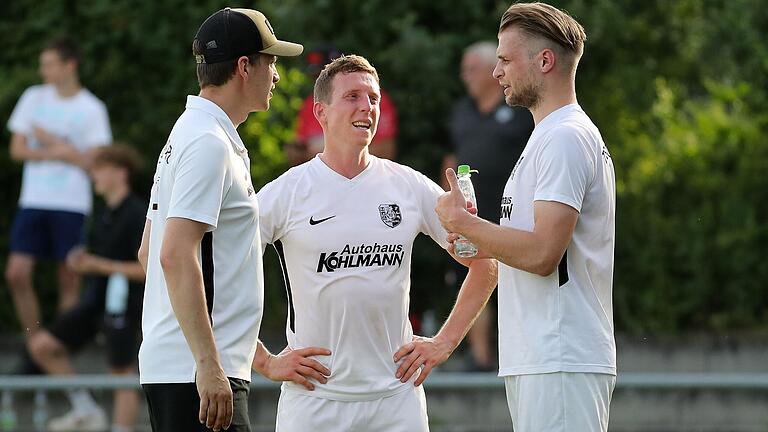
(315, 222)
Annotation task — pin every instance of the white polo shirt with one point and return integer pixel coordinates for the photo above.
(345, 247)
(83, 122)
(562, 322)
(203, 174)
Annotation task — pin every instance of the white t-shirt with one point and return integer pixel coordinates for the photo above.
(203, 174)
(562, 322)
(345, 247)
(82, 121)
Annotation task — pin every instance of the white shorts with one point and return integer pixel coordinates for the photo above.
(560, 402)
(402, 412)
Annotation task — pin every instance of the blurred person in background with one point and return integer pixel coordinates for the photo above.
(201, 248)
(343, 225)
(555, 242)
(309, 133)
(111, 300)
(53, 126)
(488, 135)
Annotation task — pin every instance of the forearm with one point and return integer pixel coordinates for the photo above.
(520, 249)
(473, 296)
(21, 153)
(104, 266)
(184, 279)
(261, 358)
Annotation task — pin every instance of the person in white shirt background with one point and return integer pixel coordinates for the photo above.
(343, 225)
(555, 242)
(53, 128)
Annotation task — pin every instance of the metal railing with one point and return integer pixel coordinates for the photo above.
(41, 385)
(437, 380)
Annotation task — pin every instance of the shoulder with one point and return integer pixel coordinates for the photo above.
(193, 129)
(574, 130)
(404, 172)
(90, 100)
(37, 89)
(289, 180)
(35, 93)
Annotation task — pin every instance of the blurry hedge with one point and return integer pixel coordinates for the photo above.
(678, 90)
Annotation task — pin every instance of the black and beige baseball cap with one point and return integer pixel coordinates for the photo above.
(231, 33)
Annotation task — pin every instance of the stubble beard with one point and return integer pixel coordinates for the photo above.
(528, 96)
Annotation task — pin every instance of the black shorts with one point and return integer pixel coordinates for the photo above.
(79, 325)
(175, 407)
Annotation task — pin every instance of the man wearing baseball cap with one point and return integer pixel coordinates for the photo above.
(201, 248)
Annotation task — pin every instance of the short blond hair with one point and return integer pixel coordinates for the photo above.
(548, 22)
(344, 64)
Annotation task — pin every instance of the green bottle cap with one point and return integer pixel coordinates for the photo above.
(464, 169)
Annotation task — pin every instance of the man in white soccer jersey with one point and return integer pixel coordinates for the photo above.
(201, 248)
(555, 241)
(343, 225)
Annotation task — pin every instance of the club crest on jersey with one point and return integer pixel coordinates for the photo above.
(390, 214)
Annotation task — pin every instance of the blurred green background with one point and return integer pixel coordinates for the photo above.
(679, 89)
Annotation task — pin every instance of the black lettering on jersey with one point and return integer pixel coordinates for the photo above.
(606, 155)
(506, 208)
(390, 214)
(166, 153)
(376, 255)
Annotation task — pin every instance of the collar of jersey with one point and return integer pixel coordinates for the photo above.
(334, 176)
(207, 106)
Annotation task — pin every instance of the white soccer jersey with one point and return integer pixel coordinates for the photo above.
(203, 174)
(562, 322)
(345, 246)
(83, 122)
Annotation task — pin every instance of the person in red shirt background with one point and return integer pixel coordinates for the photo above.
(309, 134)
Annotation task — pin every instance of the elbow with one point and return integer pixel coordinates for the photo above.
(169, 260)
(545, 265)
(143, 257)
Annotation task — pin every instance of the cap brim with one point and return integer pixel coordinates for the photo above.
(284, 49)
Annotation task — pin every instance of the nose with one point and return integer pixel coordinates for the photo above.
(276, 75)
(366, 105)
(497, 71)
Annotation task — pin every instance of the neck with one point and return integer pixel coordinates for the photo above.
(68, 88)
(554, 97)
(229, 100)
(114, 197)
(489, 101)
(346, 160)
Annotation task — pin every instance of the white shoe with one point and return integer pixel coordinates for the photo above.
(91, 420)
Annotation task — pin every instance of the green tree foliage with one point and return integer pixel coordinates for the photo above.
(678, 89)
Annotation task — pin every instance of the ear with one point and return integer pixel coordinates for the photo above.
(318, 109)
(241, 67)
(547, 60)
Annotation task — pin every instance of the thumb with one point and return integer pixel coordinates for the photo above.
(453, 182)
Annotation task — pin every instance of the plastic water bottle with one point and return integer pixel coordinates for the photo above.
(117, 294)
(461, 246)
(117, 300)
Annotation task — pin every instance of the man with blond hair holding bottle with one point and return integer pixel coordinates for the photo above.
(556, 238)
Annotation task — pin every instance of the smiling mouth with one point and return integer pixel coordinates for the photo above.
(364, 125)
